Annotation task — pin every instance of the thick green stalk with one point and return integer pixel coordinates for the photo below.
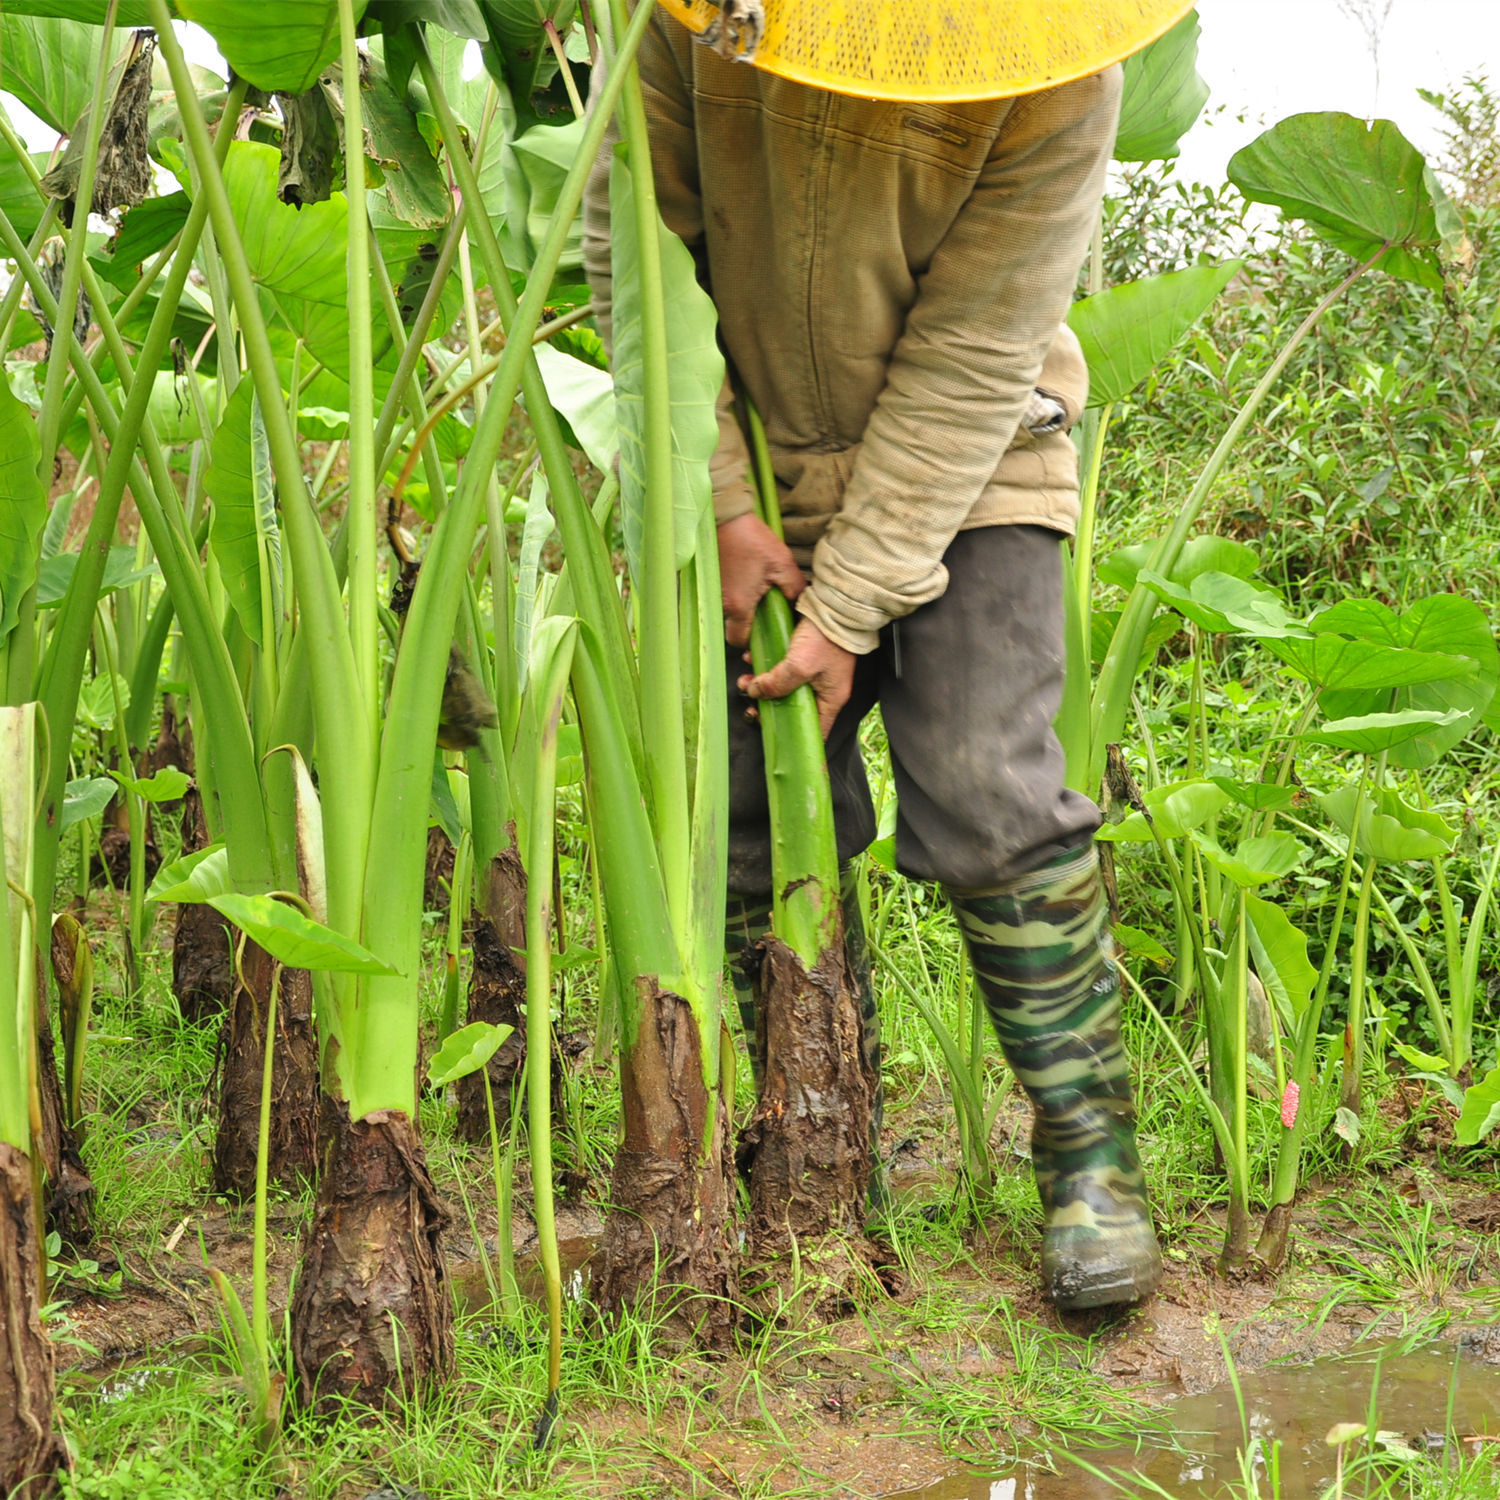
(17, 964)
(1289, 1156)
(1123, 659)
(640, 929)
(339, 706)
(657, 619)
(62, 327)
(1354, 1028)
(804, 849)
(1466, 992)
(360, 522)
(589, 566)
(1088, 515)
(710, 871)
(260, 1317)
(155, 496)
(539, 866)
(383, 1037)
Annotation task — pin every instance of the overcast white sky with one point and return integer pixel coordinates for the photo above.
(1267, 59)
(1273, 58)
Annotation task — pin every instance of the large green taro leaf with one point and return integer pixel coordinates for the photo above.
(1223, 603)
(276, 44)
(1389, 828)
(1163, 95)
(1448, 624)
(1199, 555)
(49, 62)
(1359, 185)
(1129, 329)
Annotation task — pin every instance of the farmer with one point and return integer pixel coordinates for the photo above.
(890, 275)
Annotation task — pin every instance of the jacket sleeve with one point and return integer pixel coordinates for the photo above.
(960, 377)
(665, 65)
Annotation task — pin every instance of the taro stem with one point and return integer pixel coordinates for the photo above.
(811, 1130)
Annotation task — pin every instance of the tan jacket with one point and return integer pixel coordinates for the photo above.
(889, 280)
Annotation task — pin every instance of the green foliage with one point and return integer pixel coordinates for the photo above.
(1127, 330)
(23, 505)
(276, 44)
(1163, 95)
(466, 1051)
(1360, 186)
(244, 534)
(696, 372)
(297, 940)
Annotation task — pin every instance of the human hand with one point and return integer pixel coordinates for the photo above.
(810, 658)
(752, 558)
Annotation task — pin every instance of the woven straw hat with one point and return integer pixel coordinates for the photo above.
(944, 49)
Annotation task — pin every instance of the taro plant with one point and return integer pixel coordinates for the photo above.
(29, 1446)
(1365, 189)
(810, 1132)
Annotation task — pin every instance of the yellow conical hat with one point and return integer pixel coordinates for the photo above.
(945, 49)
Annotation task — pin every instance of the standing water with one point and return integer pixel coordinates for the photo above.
(1288, 1414)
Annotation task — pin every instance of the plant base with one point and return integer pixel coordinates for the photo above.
(69, 1200)
(293, 1156)
(202, 952)
(1271, 1248)
(497, 994)
(30, 1452)
(808, 1142)
(372, 1319)
(667, 1240)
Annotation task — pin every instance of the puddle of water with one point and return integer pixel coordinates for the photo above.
(1289, 1407)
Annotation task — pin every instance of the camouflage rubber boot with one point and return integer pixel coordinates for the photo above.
(747, 920)
(1042, 956)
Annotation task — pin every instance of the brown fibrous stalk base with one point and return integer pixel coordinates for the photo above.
(69, 1200)
(667, 1239)
(809, 1139)
(372, 1320)
(293, 1155)
(202, 954)
(31, 1453)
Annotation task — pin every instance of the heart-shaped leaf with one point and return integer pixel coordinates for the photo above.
(1372, 733)
(1333, 661)
(195, 877)
(1389, 828)
(85, 798)
(1256, 861)
(167, 785)
(1445, 623)
(1481, 1111)
(1129, 329)
(299, 942)
(1173, 809)
(1225, 604)
(466, 1051)
(1281, 960)
(1199, 555)
(1359, 185)
(277, 44)
(1262, 796)
(56, 573)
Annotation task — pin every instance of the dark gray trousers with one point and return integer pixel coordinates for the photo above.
(968, 687)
